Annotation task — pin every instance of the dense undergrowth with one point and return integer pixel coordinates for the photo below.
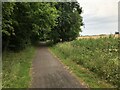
(97, 55)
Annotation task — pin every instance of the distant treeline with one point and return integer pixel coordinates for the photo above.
(25, 23)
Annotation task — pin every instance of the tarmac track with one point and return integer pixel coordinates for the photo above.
(48, 72)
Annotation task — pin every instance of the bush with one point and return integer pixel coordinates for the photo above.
(98, 55)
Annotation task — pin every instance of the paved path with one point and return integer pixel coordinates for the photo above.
(48, 72)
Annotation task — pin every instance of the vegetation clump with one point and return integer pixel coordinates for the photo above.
(97, 55)
(27, 23)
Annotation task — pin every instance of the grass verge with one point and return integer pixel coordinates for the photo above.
(16, 68)
(85, 76)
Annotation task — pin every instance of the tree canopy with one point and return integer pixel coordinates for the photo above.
(25, 23)
(69, 22)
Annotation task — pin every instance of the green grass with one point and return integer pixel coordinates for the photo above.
(16, 68)
(95, 61)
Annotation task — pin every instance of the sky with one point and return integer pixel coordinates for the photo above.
(99, 16)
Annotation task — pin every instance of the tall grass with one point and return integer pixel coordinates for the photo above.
(98, 55)
(16, 68)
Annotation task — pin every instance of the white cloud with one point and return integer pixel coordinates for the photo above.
(100, 12)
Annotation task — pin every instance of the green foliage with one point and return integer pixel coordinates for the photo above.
(16, 68)
(98, 55)
(69, 22)
(85, 76)
(7, 19)
(44, 15)
(26, 23)
(7, 22)
(22, 26)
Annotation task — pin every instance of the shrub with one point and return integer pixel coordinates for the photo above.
(98, 55)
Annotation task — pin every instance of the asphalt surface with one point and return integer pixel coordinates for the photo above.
(48, 72)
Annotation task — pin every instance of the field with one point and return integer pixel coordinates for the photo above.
(98, 36)
(99, 56)
(16, 68)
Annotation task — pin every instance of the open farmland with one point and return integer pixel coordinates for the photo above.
(99, 36)
(98, 55)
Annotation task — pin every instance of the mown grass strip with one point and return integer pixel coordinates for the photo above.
(16, 68)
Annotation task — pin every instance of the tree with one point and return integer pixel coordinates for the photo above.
(44, 18)
(7, 23)
(69, 22)
(24, 23)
